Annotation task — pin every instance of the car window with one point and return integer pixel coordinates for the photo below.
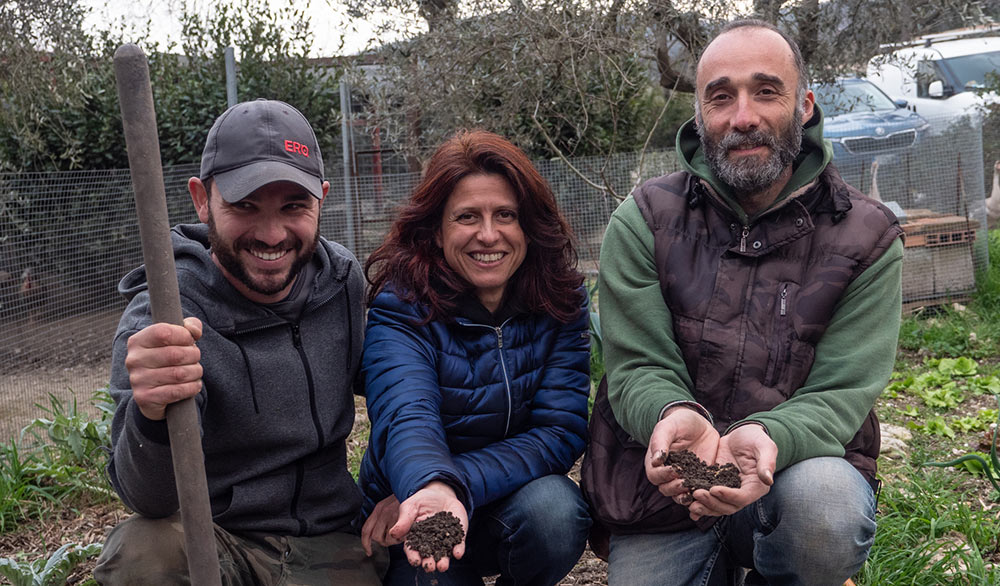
(840, 98)
(970, 70)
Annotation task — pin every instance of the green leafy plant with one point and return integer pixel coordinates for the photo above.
(73, 433)
(978, 422)
(947, 396)
(52, 571)
(71, 442)
(944, 384)
(981, 385)
(898, 384)
(58, 461)
(989, 468)
(936, 426)
(962, 366)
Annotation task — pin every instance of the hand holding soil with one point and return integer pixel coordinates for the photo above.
(436, 535)
(697, 474)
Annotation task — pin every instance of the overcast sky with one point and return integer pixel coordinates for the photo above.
(328, 19)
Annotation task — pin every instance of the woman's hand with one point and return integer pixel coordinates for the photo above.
(433, 498)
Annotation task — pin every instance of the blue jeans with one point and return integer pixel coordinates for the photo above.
(814, 527)
(534, 536)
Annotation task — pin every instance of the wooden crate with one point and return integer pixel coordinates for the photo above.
(937, 256)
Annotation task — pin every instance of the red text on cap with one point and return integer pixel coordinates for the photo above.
(296, 147)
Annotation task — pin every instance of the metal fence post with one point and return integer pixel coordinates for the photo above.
(345, 125)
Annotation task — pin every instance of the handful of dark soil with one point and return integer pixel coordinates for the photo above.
(436, 535)
(697, 474)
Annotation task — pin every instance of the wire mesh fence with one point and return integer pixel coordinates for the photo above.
(66, 239)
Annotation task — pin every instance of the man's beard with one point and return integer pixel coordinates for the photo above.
(750, 175)
(230, 260)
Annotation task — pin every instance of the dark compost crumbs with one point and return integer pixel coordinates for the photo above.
(697, 474)
(436, 535)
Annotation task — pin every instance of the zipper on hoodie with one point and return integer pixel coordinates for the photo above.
(320, 436)
(299, 474)
(743, 238)
(297, 342)
(783, 305)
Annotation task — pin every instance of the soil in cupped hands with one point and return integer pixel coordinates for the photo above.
(436, 535)
(697, 474)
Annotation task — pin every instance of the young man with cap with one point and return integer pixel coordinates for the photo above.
(269, 349)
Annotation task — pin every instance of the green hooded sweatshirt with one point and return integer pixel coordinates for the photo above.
(645, 368)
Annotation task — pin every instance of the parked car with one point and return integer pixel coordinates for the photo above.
(942, 75)
(861, 120)
(864, 124)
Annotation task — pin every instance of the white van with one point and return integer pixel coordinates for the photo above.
(941, 75)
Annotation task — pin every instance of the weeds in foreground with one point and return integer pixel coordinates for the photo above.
(930, 534)
(58, 461)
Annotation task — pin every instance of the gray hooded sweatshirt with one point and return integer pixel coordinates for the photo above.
(276, 403)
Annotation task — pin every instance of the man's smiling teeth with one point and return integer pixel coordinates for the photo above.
(262, 254)
(492, 257)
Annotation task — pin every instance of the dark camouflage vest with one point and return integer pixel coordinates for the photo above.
(750, 303)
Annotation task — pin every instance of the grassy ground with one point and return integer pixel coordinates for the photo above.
(937, 525)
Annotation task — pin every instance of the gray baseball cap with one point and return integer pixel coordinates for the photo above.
(260, 142)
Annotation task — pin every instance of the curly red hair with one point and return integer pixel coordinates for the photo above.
(410, 259)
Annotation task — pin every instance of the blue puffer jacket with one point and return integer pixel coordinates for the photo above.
(485, 409)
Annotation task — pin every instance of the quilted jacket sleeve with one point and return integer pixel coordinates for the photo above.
(403, 397)
(556, 431)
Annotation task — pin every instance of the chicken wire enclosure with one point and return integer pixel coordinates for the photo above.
(931, 175)
(67, 239)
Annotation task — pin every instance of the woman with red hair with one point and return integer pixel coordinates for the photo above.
(476, 370)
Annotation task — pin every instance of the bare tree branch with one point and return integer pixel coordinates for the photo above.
(645, 145)
(602, 188)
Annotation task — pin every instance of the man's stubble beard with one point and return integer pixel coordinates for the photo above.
(229, 259)
(750, 176)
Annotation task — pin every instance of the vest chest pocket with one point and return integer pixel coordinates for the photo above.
(782, 337)
(791, 352)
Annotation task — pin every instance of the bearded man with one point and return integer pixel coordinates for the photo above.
(270, 347)
(751, 307)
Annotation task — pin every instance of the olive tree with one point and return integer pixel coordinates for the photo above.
(557, 77)
(591, 77)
